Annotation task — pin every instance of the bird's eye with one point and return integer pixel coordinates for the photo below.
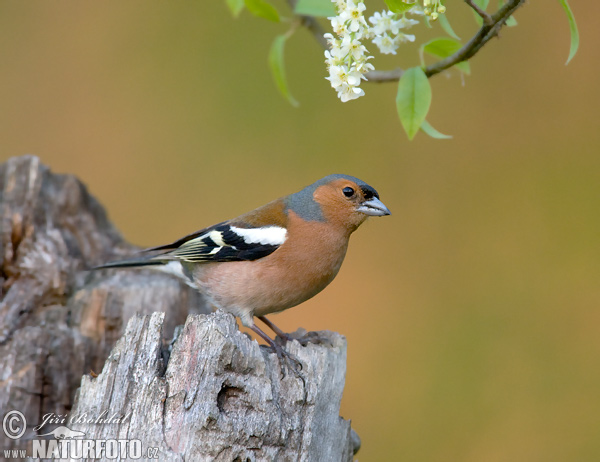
(348, 191)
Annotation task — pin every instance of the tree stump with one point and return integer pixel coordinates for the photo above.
(210, 394)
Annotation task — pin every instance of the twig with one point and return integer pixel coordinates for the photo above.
(384, 76)
(311, 23)
(487, 19)
(313, 26)
(482, 36)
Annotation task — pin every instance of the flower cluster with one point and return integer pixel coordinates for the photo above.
(386, 30)
(433, 8)
(347, 57)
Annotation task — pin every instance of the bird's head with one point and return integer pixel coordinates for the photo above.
(340, 199)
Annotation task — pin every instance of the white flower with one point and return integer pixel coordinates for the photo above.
(403, 38)
(348, 92)
(365, 67)
(346, 81)
(386, 30)
(335, 45)
(332, 60)
(354, 77)
(341, 75)
(367, 34)
(346, 58)
(386, 44)
(353, 47)
(337, 75)
(339, 4)
(382, 22)
(405, 23)
(353, 13)
(395, 27)
(417, 9)
(338, 26)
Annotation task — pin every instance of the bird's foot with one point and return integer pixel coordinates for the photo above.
(285, 358)
(287, 361)
(304, 338)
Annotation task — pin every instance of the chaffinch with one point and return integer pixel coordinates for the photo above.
(274, 257)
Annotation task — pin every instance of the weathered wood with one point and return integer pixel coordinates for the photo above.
(218, 396)
(221, 396)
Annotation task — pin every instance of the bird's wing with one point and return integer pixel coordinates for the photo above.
(250, 236)
(225, 242)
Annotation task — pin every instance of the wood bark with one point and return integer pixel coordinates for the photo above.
(211, 394)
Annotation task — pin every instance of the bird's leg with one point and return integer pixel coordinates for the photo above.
(282, 355)
(275, 329)
(303, 337)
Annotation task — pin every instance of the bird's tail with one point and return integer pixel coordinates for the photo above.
(171, 267)
(129, 264)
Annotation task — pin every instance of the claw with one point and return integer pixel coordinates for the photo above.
(284, 357)
(303, 337)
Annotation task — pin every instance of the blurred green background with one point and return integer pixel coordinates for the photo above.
(472, 313)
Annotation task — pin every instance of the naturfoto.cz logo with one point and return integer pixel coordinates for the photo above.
(66, 443)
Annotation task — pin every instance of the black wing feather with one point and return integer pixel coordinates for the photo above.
(178, 243)
(218, 243)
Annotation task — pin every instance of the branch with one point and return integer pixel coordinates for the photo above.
(384, 76)
(313, 26)
(491, 26)
(487, 19)
(483, 36)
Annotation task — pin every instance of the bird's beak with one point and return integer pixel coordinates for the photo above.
(374, 208)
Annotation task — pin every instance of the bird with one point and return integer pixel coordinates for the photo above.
(272, 258)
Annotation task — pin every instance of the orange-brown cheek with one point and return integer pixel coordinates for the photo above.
(335, 207)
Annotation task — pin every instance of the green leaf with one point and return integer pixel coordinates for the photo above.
(235, 6)
(427, 128)
(413, 100)
(262, 9)
(319, 8)
(444, 47)
(278, 68)
(464, 67)
(443, 20)
(511, 21)
(399, 6)
(574, 31)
